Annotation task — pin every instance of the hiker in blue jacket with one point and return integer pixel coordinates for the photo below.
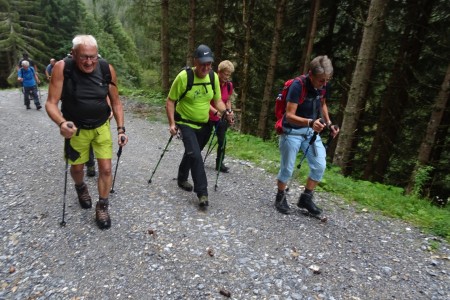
(28, 78)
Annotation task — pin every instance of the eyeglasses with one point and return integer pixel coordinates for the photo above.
(206, 65)
(87, 57)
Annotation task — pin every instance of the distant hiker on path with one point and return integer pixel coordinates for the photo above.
(48, 70)
(28, 78)
(190, 116)
(25, 57)
(305, 117)
(84, 117)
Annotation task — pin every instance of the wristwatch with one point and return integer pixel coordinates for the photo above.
(121, 128)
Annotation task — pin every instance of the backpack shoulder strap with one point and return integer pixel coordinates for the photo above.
(106, 71)
(229, 87)
(190, 82)
(68, 67)
(212, 79)
(302, 80)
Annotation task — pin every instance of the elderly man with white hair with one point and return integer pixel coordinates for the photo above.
(28, 78)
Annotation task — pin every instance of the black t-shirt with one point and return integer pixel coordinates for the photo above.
(84, 98)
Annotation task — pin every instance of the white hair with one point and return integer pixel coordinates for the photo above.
(321, 64)
(84, 39)
(25, 63)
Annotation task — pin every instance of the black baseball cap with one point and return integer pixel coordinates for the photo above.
(204, 54)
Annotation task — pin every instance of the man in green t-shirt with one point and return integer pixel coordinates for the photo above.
(190, 116)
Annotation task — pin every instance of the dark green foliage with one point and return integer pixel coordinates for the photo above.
(129, 35)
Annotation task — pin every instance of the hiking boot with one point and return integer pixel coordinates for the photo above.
(28, 107)
(38, 107)
(306, 201)
(203, 201)
(281, 203)
(90, 171)
(83, 196)
(223, 168)
(185, 185)
(102, 214)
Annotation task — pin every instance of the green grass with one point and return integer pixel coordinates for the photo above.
(388, 200)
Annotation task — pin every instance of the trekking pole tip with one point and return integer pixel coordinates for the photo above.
(112, 191)
(63, 223)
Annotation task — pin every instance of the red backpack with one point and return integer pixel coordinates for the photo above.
(280, 102)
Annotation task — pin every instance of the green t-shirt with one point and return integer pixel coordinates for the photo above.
(196, 103)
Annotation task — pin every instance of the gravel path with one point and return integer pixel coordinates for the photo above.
(160, 246)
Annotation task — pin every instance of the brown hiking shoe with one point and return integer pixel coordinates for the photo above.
(102, 214)
(83, 196)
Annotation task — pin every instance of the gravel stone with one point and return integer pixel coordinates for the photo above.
(161, 246)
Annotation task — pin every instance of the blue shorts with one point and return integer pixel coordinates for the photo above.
(290, 144)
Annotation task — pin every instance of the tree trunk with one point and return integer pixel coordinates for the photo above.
(191, 34)
(433, 125)
(248, 8)
(165, 45)
(219, 32)
(360, 81)
(333, 12)
(396, 98)
(310, 35)
(268, 97)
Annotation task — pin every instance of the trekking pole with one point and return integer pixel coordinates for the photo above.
(313, 139)
(330, 138)
(66, 149)
(209, 150)
(119, 153)
(220, 160)
(39, 92)
(162, 154)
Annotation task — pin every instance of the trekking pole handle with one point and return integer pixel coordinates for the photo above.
(119, 152)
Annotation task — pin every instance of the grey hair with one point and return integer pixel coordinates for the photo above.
(25, 63)
(321, 64)
(85, 39)
(226, 65)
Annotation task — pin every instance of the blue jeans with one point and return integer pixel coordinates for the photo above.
(290, 144)
(34, 92)
(194, 141)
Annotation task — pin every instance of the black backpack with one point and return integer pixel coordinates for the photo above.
(70, 85)
(189, 85)
(104, 67)
(190, 81)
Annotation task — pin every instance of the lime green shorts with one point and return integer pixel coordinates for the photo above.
(99, 138)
